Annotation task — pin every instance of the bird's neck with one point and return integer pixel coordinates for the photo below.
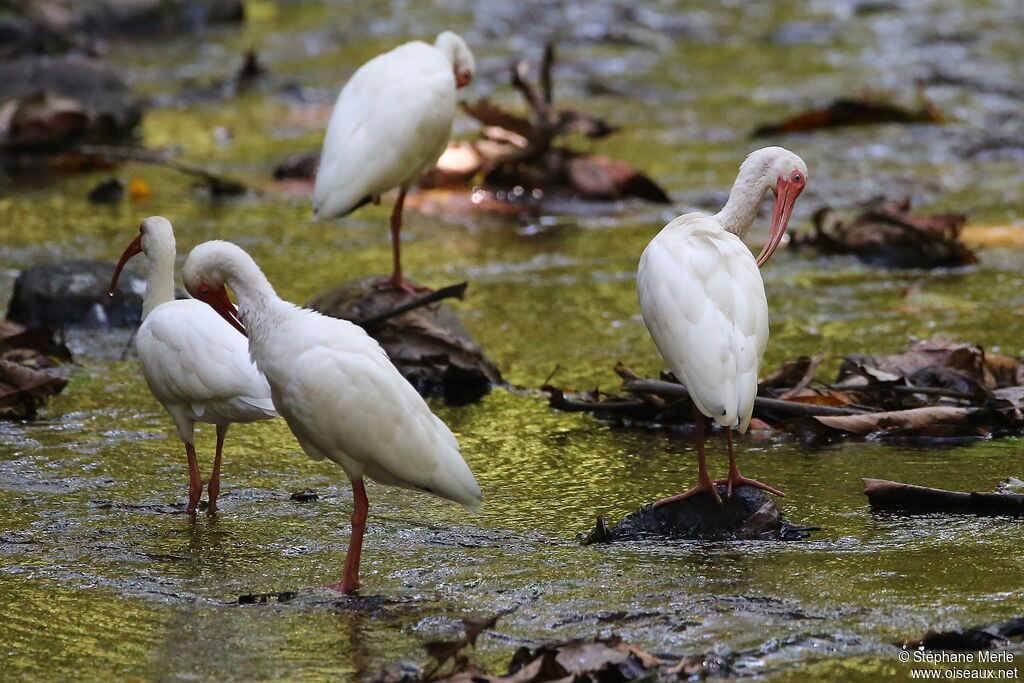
(259, 306)
(744, 200)
(160, 283)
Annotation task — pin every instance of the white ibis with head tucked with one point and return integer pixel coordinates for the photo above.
(703, 301)
(391, 123)
(336, 388)
(195, 364)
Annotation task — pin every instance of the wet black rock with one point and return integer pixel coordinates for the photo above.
(74, 294)
(305, 496)
(301, 165)
(428, 345)
(51, 103)
(751, 514)
(109, 191)
(130, 18)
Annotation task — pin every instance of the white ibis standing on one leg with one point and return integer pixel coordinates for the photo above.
(703, 301)
(391, 123)
(336, 388)
(195, 364)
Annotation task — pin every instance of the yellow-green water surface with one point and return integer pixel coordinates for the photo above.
(99, 580)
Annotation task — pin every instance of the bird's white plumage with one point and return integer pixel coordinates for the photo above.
(199, 368)
(391, 122)
(334, 385)
(704, 304)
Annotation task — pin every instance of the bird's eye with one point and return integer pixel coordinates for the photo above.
(797, 177)
(204, 290)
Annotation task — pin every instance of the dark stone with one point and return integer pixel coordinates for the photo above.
(56, 102)
(109, 191)
(428, 345)
(263, 598)
(305, 496)
(74, 294)
(750, 514)
(301, 165)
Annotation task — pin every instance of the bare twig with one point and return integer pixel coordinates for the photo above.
(218, 184)
(637, 385)
(456, 291)
(545, 72)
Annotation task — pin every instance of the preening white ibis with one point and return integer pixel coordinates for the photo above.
(703, 301)
(195, 364)
(391, 123)
(336, 388)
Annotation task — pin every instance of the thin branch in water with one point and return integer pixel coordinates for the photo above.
(456, 291)
(218, 185)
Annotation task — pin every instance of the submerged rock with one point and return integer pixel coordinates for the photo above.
(74, 293)
(48, 104)
(428, 345)
(74, 21)
(750, 514)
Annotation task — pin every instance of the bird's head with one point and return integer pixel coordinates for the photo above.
(155, 235)
(459, 54)
(785, 174)
(204, 276)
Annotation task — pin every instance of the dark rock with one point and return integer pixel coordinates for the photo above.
(109, 191)
(750, 514)
(428, 345)
(399, 672)
(262, 598)
(305, 496)
(50, 103)
(74, 293)
(101, 18)
(302, 165)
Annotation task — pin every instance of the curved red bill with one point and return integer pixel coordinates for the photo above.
(786, 193)
(135, 247)
(463, 78)
(219, 301)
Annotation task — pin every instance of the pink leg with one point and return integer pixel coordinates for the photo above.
(704, 483)
(350, 578)
(214, 485)
(736, 479)
(396, 281)
(195, 480)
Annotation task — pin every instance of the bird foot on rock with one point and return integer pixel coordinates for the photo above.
(346, 587)
(706, 486)
(737, 480)
(401, 285)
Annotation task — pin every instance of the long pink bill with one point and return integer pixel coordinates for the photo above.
(785, 198)
(135, 247)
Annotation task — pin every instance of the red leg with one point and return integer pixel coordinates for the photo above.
(214, 485)
(396, 281)
(195, 480)
(350, 579)
(736, 479)
(704, 483)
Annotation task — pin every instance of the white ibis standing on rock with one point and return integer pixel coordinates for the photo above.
(391, 123)
(336, 388)
(195, 364)
(703, 301)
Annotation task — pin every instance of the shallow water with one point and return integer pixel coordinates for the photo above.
(99, 575)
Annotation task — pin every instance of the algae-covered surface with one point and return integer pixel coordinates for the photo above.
(102, 576)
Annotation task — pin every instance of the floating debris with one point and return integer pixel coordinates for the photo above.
(970, 639)
(887, 234)
(864, 110)
(885, 494)
(523, 155)
(425, 340)
(601, 660)
(937, 390)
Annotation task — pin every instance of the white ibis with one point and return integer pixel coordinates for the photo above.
(195, 364)
(336, 388)
(391, 123)
(703, 301)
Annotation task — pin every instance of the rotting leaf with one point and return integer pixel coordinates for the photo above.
(23, 389)
(860, 111)
(915, 418)
(887, 234)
